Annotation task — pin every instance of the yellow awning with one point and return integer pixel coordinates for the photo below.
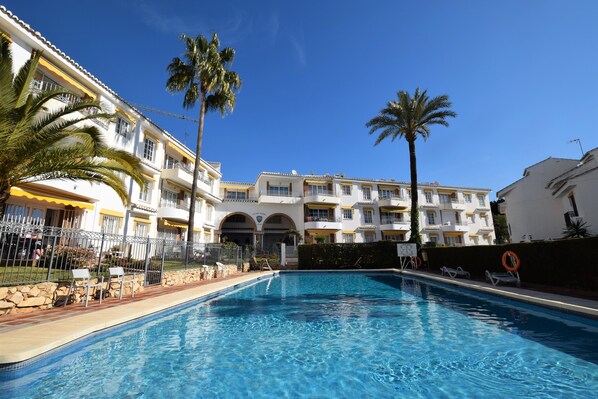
(178, 149)
(453, 233)
(487, 235)
(197, 229)
(148, 177)
(322, 182)
(348, 232)
(394, 232)
(112, 213)
(63, 75)
(150, 135)
(388, 187)
(140, 220)
(19, 192)
(123, 113)
(174, 224)
(473, 235)
(346, 207)
(321, 231)
(470, 213)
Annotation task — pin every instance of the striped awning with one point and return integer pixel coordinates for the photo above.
(26, 193)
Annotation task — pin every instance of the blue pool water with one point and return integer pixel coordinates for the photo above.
(329, 335)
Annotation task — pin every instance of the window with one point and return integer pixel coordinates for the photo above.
(471, 218)
(123, 126)
(485, 219)
(386, 193)
(367, 193)
(573, 204)
(457, 218)
(368, 216)
(390, 217)
(347, 214)
(148, 149)
(110, 224)
(197, 236)
(369, 236)
(346, 189)
(452, 240)
(348, 238)
(168, 234)
(169, 199)
(209, 212)
(142, 229)
(197, 206)
(170, 162)
(318, 215)
(433, 238)
(236, 195)
(278, 191)
(145, 192)
(481, 200)
(431, 218)
(444, 198)
(394, 237)
(315, 189)
(467, 198)
(428, 195)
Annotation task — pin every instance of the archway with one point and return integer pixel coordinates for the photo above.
(275, 230)
(239, 228)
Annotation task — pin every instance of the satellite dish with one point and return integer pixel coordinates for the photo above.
(293, 172)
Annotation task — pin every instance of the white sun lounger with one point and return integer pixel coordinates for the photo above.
(503, 278)
(452, 273)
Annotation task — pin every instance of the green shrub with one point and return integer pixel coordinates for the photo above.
(374, 255)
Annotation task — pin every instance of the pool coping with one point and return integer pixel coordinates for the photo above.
(578, 306)
(25, 343)
(28, 342)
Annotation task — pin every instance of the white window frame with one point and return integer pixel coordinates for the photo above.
(122, 127)
(346, 189)
(467, 198)
(431, 218)
(481, 199)
(368, 216)
(367, 193)
(142, 229)
(347, 214)
(348, 238)
(149, 149)
(111, 224)
(145, 192)
(428, 195)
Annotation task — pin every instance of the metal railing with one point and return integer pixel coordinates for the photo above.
(322, 219)
(329, 193)
(34, 254)
(169, 204)
(389, 220)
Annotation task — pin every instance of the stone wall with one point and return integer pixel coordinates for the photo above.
(27, 298)
(181, 277)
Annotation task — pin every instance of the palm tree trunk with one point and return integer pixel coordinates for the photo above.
(4, 196)
(415, 237)
(202, 114)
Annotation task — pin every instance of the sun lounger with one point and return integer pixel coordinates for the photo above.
(452, 273)
(503, 278)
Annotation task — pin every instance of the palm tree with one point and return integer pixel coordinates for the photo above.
(40, 144)
(577, 229)
(204, 76)
(409, 117)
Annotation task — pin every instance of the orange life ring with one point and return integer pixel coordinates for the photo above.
(416, 261)
(514, 257)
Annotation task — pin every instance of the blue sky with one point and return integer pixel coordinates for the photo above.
(522, 76)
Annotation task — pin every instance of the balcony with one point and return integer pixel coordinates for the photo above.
(432, 227)
(456, 227)
(169, 210)
(321, 197)
(457, 205)
(393, 201)
(486, 229)
(183, 174)
(323, 223)
(276, 197)
(394, 224)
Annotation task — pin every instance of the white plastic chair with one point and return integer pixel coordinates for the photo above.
(82, 279)
(223, 269)
(118, 273)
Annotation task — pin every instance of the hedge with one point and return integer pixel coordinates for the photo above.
(569, 263)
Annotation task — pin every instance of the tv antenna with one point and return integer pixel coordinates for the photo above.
(578, 141)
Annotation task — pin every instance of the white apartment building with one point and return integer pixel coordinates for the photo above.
(160, 208)
(345, 210)
(551, 193)
(322, 208)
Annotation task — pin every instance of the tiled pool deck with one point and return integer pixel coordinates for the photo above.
(25, 336)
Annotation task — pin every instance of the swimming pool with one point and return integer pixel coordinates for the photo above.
(329, 335)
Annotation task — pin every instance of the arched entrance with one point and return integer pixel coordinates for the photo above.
(275, 230)
(238, 228)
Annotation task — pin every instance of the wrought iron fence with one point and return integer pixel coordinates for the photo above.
(33, 254)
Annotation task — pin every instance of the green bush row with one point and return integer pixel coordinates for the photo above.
(373, 255)
(571, 263)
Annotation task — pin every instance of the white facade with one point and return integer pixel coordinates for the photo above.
(551, 193)
(340, 209)
(158, 210)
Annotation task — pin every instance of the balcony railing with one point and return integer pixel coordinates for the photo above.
(322, 219)
(392, 196)
(44, 85)
(276, 193)
(320, 192)
(181, 166)
(168, 204)
(389, 220)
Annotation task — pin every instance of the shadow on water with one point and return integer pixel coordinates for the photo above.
(569, 334)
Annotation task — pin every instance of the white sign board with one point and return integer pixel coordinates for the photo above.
(406, 250)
